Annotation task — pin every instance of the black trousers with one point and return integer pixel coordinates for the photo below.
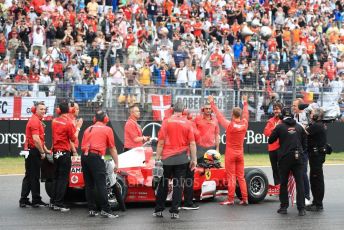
(176, 173)
(93, 167)
(62, 170)
(288, 164)
(31, 178)
(189, 176)
(273, 155)
(317, 177)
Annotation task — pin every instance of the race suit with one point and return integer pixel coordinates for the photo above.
(234, 156)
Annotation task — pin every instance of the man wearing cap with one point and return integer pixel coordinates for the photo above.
(176, 139)
(292, 140)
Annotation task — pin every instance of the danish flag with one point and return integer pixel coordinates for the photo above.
(161, 106)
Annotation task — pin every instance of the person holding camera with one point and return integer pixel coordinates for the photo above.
(317, 140)
(292, 140)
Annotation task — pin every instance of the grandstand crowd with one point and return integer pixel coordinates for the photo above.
(184, 43)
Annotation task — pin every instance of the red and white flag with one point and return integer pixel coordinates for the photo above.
(161, 106)
(291, 188)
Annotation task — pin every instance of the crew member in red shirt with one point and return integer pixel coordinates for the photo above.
(97, 138)
(36, 144)
(132, 130)
(176, 139)
(206, 130)
(234, 156)
(77, 122)
(63, 133)
(273, 148)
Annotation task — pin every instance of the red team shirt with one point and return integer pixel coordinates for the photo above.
(207, 131)
(176, 132)
(132, 130)
(270, 126)
(235, 130)
(73, 119)
(97, 138)
(34, 127)
(63, 132)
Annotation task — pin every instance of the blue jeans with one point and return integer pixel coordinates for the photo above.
(305, 176)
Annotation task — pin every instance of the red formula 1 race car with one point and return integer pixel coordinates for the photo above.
(135, 182)
(136, 167)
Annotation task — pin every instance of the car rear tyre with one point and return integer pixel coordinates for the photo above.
(257, 185)
(118, 193)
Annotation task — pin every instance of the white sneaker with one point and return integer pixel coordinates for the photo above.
(108, 214)
(307, 202)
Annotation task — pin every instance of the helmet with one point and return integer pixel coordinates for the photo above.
(212, 158)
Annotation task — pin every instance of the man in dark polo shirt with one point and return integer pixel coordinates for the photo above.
(63, 133)
(97, 138)
(176, 139)
(37, 149)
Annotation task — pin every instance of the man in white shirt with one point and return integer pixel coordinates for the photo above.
(181, 78)
(117, 75)
(279, 84)
(301, 118)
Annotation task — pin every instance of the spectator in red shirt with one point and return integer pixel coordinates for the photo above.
(97, 138)
(234, 157)
(130, 38)
(176, 139)
(330, 68)
(216, 58)
(58, 69)
(34, 77)
(35, 142)
(63, 135)
(273, 148)
(37, 4)
(3, 44)
(132, 130)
